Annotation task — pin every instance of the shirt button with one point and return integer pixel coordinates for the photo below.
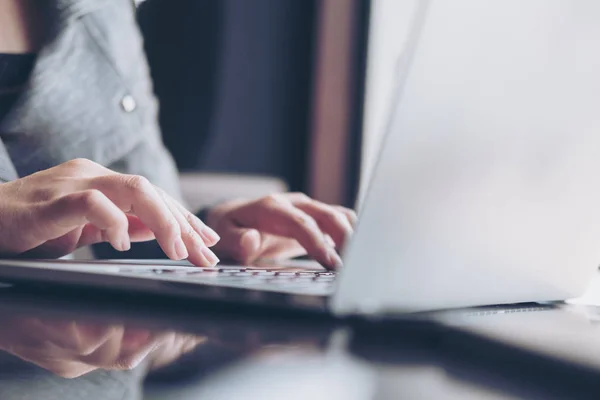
(128, 103)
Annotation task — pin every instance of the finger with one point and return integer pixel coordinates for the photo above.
(242, 244)
(136, 195)
(131, 357)
(280, 248)
(198, 253)
(173, 347)
(89, 206)
(279, 217)
(105, 352)
(301, 198)
(350, 214)
(120, 351)
(330, 220)
(329, 240)
(85, 339)
(90, 235)
(134, 338)
(246, 245)
(138, 232)
(209, 236)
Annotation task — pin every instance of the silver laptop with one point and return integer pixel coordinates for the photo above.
(487, 187)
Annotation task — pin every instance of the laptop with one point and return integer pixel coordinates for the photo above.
(486, 190)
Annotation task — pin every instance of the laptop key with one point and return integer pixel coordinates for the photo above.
(241, 274)
(136, 270)
(311, 274)
(264, 273)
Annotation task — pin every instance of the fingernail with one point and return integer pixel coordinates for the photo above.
(180, 250)
(211, 235)
(210, 256)
(334, 259)
(125, 244)
(353, 220)
(250, 241)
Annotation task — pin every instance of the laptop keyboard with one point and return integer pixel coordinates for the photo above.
(303, 282)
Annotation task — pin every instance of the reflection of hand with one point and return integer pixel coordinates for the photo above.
(281, 225)
(71, 349)
(78, 203)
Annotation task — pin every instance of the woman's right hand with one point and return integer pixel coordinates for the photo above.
(78, 203)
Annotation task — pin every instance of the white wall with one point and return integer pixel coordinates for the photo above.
(389, 25)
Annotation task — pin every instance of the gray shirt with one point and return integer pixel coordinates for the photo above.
(89, 96)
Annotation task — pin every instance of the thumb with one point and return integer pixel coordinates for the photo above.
(242, 244)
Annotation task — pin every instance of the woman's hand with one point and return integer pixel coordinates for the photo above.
(78, 203)
(281, 225)
(74, 348)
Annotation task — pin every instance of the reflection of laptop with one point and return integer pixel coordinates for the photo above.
(487, 188)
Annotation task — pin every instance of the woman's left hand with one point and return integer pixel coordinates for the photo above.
(281, 226)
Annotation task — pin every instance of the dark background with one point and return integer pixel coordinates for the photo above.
(234, 80)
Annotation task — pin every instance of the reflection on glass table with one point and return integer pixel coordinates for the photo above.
(69, 348)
